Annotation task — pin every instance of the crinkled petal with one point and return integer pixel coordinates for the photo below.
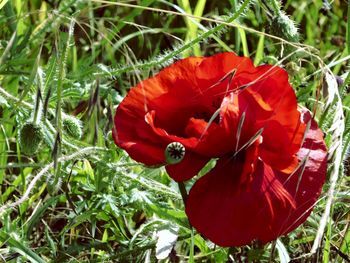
(277, 102)
(263, 94)
(231, 212)
(237, 121)
(164, 136)
(212, 140)
(220, 69)
(305, 185)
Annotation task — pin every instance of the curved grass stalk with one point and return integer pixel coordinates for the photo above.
(169, 56)
(25, 196)
(178, 50)
(335, 153)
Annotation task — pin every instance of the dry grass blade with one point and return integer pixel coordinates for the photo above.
(7, 49)
(335, 153)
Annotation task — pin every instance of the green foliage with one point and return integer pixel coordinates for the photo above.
(68, 194)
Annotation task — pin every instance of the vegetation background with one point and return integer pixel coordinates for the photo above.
(68, 194)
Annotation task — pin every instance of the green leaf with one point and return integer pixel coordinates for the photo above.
(260, 50)
(191, 260)
(19, 246)
(3, 102)
(38, 213)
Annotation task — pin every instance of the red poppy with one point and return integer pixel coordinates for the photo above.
(270, 156)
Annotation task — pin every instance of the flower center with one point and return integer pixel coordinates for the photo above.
(174, 153)
(210, 113)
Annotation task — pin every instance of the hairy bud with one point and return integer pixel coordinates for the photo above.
(283, 27)
(30, 137)
(72, 126)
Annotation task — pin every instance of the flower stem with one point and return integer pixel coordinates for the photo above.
(276, 7)
(183, 191)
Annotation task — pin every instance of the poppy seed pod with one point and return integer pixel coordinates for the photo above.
(174, 153)
(30, 137)
(72, 126)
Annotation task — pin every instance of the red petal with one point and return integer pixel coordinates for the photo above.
(234, 129)
(165, 93)
(306, 184)
(238, 121)
(233, 215)
(276, 98)
(187, 168)
(211, 138)
(264, 95)
(220, 67)
(140, 143)
(163, 137)
(230, 212)
(275, 149)
(160, 110)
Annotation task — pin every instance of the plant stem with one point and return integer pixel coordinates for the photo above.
(183, 191)
(276, 7)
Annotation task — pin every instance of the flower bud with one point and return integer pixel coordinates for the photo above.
(30, 137)
(72, 126)
(283, 27)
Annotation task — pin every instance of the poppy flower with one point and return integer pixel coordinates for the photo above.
(270, 155)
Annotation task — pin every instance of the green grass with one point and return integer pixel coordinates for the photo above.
(85, 200)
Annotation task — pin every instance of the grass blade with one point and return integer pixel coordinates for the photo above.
(19, 247)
